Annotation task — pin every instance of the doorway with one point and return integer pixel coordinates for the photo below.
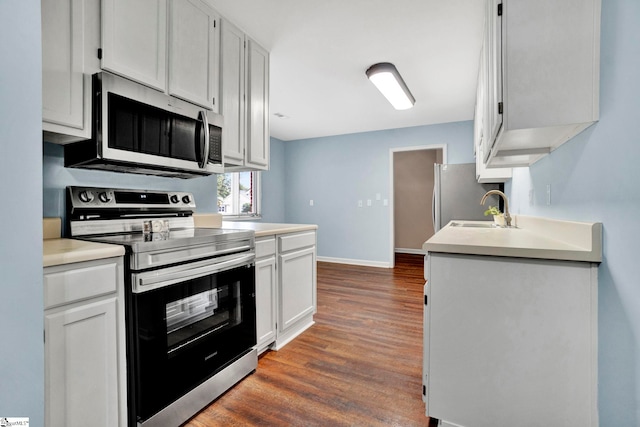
(411, 187)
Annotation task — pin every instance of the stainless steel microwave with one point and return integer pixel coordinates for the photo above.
(137, 129)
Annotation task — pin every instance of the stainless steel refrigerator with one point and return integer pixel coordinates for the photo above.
(457, 194)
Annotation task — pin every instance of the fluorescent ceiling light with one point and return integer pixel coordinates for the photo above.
(388, 81)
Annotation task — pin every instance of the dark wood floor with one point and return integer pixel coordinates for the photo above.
(359, 365)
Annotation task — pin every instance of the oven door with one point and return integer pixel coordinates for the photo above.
(185, 330)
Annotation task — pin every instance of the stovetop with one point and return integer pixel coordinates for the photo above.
(174, 239)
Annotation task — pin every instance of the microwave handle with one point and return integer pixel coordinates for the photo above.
(205, 124)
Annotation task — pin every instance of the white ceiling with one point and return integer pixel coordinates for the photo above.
(321, 49)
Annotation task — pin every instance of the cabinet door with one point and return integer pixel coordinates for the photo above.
(265, 302)
(193, 52)
(493, 67)
(62, 68)
(134, 40)
(297, 286)
(257, 106)
(81, 362)
(232, 86)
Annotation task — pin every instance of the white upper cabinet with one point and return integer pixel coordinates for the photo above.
(543, 60)
(244, 82)
(134, 40)
(170, 46)
(483, 173)
(63, 84)
(232, 83)
(257, 107)
(194, 52)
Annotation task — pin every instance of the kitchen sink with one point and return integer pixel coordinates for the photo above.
(474, 224)
(486, 224)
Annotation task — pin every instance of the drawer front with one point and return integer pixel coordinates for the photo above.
(289, 242)
(265, 246)
(87, 281)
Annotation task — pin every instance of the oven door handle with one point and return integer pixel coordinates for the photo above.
(149, 280)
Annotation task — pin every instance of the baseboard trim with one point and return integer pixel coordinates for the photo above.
(362, 262)
(410, 251)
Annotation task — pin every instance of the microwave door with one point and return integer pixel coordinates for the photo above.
(147, 129)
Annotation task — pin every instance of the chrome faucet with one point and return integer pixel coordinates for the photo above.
(507, 216)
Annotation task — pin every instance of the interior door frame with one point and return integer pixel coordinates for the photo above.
(392, 151)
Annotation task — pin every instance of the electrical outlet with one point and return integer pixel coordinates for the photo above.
(368, 202)
(311, 202)
(359, 203)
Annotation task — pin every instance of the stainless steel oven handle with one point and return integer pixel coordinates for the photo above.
(148, 281)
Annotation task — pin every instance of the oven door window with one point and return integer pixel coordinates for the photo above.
(194, 317)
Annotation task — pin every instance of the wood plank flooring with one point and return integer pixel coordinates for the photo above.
(359, 365)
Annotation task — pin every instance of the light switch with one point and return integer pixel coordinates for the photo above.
(368, 202)
(311, 202)
(548, 194)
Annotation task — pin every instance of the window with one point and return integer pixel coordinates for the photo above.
(238, 194)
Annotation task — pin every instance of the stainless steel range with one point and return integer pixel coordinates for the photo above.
(190, 298)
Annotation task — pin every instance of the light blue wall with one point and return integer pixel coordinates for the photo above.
(56, 178)
(335, 172)
(273, 184)
(22, 357)
(596, 177)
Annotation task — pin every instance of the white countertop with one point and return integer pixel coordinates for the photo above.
(267, 228)
(540, 238)
(67, 251)
(57, 251)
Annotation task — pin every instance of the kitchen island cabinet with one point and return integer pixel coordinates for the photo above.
(510, 333)
(85, 371)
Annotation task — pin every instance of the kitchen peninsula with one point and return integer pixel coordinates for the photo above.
(510, 331)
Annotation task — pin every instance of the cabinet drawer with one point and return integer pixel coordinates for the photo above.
(290, 242)
(87, 281)
(265, 247)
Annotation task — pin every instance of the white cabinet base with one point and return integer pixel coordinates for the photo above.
(85, 367)
(296, 329)
(511, 340)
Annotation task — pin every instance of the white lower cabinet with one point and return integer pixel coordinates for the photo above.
(510, 340)
(85, 379)
(266, 288)
(286, 300)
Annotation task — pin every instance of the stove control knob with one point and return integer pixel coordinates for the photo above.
(174, 199)
(104, 197)
(186, 200)
(85, 196)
